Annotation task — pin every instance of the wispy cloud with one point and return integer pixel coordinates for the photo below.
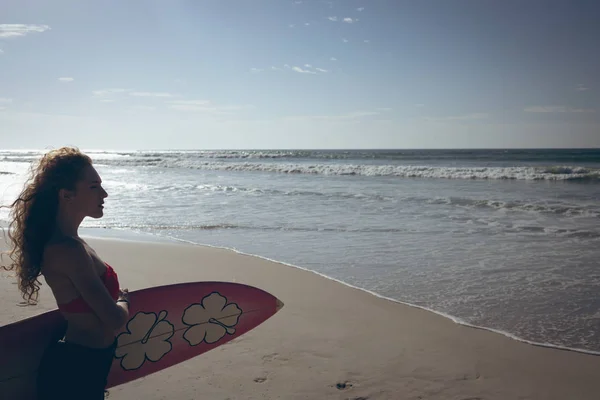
(345, 40)
(333, 59)
(557, 109)
(291, 25)
(108, 92)
(309, 69)
(581, 88)
(66, 79)
(334, 19)
(152, 94)
(302, 71)
(5, 100)
(1, 51)
(360, 9)
(367, 41)
(18, 30)
(349, 20)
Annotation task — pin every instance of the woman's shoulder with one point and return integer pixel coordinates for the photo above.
(61, 252)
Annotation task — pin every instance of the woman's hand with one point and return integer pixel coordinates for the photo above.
(123, 296)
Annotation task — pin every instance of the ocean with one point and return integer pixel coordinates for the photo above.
(506, 240)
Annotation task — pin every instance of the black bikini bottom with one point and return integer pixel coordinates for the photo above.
(70, 371)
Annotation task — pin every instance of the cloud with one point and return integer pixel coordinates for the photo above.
(2, 108)
(1, 51)
(367, 41)
(66, 79)
(108, 92)
(152, 94)
(350, 20)
(306, 23)
(255, 70)
(333, 59)
(334, 19)
(345, 40)
(303, 71)
(18, 30)
(308, 65)
(292, 25)
(581, 88)
(5, 100)
(274, 68)
(360, 9)
(321, 70)
(557, 109)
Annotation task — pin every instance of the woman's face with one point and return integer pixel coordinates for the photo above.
(89, 195)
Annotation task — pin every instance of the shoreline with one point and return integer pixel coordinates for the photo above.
(330, 341)
(151, 238)
(144, 237)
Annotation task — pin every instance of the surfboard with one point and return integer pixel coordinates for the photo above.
(167, 325)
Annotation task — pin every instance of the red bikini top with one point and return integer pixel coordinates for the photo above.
(78, 305)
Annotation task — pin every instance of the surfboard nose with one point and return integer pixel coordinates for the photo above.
(279, 305)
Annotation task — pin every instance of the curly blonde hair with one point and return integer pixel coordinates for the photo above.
(33, 214)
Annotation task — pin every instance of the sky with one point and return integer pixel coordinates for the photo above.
(310, 74)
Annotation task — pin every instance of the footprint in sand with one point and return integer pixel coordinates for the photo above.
(270, 357)
(343, 385)
(260, 380)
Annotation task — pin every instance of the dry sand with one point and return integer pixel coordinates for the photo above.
(330, 341)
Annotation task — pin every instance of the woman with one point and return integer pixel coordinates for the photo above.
(64, 189)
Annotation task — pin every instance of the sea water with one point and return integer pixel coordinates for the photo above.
(503, 239)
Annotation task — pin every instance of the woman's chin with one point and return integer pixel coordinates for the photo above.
(97, 214)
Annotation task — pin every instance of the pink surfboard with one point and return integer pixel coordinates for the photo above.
(167, 325)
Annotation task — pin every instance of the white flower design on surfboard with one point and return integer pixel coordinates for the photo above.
(147, 338)
(210, 320)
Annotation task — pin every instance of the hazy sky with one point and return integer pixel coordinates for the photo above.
(205, 74)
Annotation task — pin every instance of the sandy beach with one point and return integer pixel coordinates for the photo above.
(330, 341)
